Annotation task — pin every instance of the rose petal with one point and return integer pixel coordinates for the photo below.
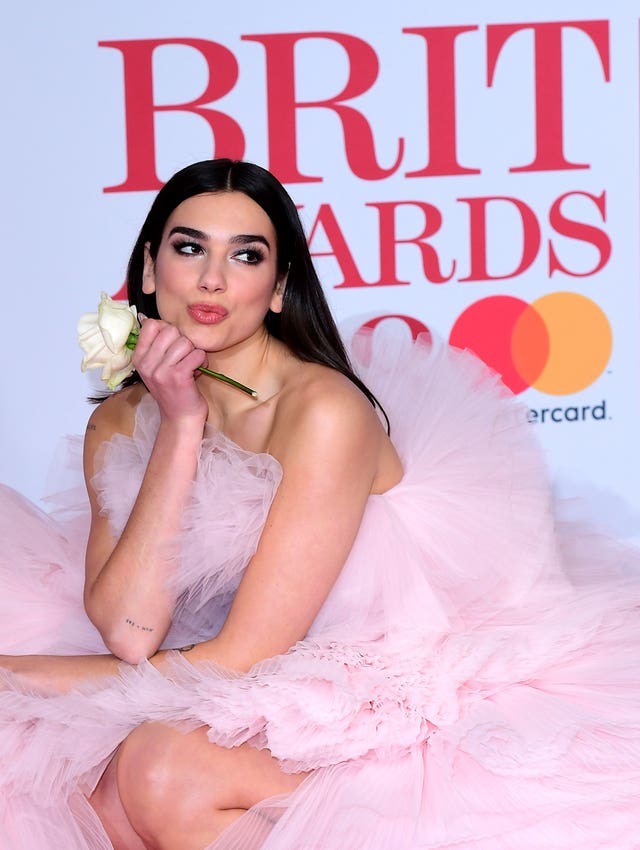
(103, 336)
(115, 322)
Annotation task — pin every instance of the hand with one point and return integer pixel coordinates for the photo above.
(58, 673)
(167, 362)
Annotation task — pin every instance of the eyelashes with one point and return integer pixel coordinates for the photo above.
(250, 256)
(186, 246)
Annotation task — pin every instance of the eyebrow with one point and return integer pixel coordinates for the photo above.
(238, 239)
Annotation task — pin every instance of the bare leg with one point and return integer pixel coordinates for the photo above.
(179, 791)
(106, 802)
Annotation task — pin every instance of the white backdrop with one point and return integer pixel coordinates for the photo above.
(453, 165)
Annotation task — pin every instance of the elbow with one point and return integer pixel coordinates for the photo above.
(126, 640)
(130, 648)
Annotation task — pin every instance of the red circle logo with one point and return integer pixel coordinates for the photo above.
(559, 344)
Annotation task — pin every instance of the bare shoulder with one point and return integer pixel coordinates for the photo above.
(115, 415)
(322, 413)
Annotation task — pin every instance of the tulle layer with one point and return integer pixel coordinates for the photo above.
(417, 802)
(41, 578)
(203, 583)
(553, 757)
(471, 681)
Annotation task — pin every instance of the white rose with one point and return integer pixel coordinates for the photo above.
(103, 337)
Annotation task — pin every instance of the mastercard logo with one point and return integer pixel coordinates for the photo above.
(559, 344)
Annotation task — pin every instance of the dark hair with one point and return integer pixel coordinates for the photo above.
(305, 324)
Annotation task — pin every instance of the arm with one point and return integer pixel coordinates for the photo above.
(330, 455)
(329, 452)
(127, 593)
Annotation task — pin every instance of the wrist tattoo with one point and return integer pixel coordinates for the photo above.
(186, 648)
(138, 626)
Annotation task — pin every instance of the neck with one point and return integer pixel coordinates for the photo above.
(258, 365)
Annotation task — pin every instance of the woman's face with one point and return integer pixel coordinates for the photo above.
(215, 274)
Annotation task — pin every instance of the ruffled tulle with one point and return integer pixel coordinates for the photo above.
(470, 682)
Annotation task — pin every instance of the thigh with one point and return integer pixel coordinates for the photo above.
(106, 802)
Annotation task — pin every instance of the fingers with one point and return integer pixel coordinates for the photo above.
(166, 360)
(161, 347)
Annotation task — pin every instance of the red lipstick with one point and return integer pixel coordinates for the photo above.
(207, 314)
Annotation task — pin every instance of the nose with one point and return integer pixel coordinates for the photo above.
(212, 276)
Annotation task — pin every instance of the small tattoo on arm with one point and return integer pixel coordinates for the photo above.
(91, 427)
(138, 626)
(186, 648)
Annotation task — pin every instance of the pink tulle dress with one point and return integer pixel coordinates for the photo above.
(472, 681)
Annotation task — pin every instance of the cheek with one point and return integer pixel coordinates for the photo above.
(166, 299)
(167, 281)
(256, 293)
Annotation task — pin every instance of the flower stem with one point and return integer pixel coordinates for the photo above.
(131, 344)
(132, 339)
(228, 380)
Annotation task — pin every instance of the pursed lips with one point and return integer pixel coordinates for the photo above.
(207, 314)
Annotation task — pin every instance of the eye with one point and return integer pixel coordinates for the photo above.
(250, 256)
(187, 247)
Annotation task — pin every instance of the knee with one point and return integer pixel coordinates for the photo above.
(152, 778)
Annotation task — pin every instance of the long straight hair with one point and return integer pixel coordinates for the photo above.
(305, 324)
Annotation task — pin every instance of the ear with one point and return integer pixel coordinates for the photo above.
(278, 293)
(148, 272)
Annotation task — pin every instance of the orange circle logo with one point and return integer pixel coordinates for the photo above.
(559, 344)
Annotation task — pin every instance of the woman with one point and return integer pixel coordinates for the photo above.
(381, 644)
